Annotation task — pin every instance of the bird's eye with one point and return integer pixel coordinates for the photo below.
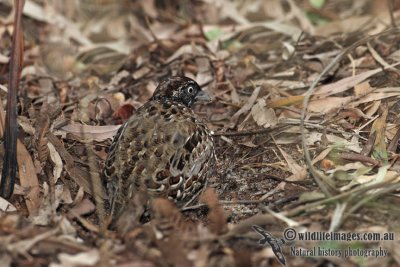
(190, 90)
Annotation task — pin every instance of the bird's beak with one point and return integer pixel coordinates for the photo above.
(203, 97)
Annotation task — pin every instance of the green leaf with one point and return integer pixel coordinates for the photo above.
(213, 34)
(231, 44)
(316, 19)
(317, 3)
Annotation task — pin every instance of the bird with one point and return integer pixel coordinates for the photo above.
(164, 150)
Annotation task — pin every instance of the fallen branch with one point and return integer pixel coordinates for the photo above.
(10, 137)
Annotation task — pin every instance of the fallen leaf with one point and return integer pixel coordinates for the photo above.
(262, 115)
(81, 177)
(285, 101)
(378, 128)
(6, 206)
(84, 207)
(91, 133)
(347, 25)
(56, 159)
(28, 178)
(327, 104)
(378, 94)
(314, 137)
(87, 258)
(216, 216)
(299, 173)
(4, 59)
(344, 84)
(383, 175)
(249, 104)
(123, 113)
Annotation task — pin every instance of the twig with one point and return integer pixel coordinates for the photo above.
(10, 137)
(251, 132)
(391, 10)
(358, 157)
(243, 202)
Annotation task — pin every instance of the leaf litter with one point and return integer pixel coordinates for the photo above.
(88, 66)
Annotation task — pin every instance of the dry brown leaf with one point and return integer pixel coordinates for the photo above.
(322, 155)
(350, 24)
(49, 15)
(87, 258)
(378, 58)
(287, 85)
(56, 159)
(164, 208)
(65, 196)
(377, 95)
(314, 137)
(41, 128)
(4, 59)
(378, 132)
(28, 178)
(327, 104)
(123, 113)
(84, 207)
(81, 177)
(262, 115)
(185, 49)
(26, 171)
(372, 108)
(234, 95)
(59, 59)
(22, 247)
(362, 89)
(91, 133)
(249, 104)
(273, 9)
(298, 173)
(286, 101)
(79, 196)
(344, 84)
(248, 144)
(6, 206)
(46, 211)
(381, 176)
(216, 215)
(26, 125)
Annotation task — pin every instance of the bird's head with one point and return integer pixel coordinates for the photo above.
(180, 89)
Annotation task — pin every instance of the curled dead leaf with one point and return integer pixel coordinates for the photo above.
(263, 115)
(56, 159)
(91, 133)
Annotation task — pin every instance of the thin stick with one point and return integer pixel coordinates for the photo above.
(10, 138)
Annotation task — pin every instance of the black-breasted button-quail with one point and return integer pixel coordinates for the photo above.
(163, 149)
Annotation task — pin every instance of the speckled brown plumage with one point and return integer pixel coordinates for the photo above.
(164, 149)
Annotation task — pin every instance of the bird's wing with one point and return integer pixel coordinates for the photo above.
(164, 150)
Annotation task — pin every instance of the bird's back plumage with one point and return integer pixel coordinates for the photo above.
(164, 149)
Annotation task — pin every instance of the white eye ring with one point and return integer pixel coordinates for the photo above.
(190, 90)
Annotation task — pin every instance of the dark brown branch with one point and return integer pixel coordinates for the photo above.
(10, 135)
